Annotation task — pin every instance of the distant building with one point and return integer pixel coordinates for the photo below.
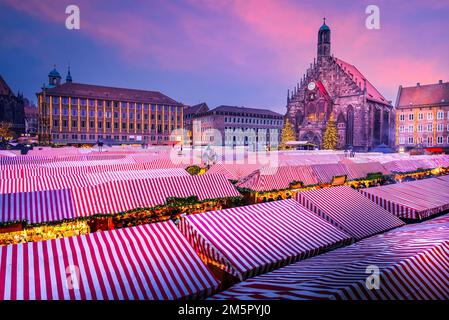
(31, 118)
(422, 116)
(364, 118)
(237, 126)
(11, 108)
(189, 113)
(84, 113)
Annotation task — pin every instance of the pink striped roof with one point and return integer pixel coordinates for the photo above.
(103, 177)
(110, 197)
(325, 172)
(119, 196)
(37, 183)
(269, 178)
(412, 261)
(233, 171)
(347, 209)
(361, 170)
(255, 239)
(149, 262)
(412, 200)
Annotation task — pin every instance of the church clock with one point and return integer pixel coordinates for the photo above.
(311, 86)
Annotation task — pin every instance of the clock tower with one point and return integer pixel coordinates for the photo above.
(332, 86)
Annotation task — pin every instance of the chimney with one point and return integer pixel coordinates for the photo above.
(418, 84)
(440, 81)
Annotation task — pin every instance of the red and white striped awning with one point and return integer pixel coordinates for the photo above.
(49, 205)
(119, 196)
(109, 197)
(326, 172)
(412, 262)
(233, 171)
(103, 177)
(347, 209)
(361, 170)
(148, 262)
(274, 178)
(42, 183)
(251, 240)
(412, 200)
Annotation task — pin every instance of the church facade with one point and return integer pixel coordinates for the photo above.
(364, 118)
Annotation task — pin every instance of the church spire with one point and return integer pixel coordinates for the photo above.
(324, 40)
(68, 78)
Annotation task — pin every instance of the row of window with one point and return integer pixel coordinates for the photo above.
(138, 126)
(420, 140)
(411, 116)
(94, 138)
(114, 104)
(423, 128)
(253, 121)
(108, 114)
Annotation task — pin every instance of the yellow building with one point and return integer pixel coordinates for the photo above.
(422, 116)
(73, 113)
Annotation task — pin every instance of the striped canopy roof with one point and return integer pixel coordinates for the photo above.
(273, 178)
(250, 240)
(149, 262)
(412, 263)
(412, 200)
(349, 210)
(109, 197)
(326, 172)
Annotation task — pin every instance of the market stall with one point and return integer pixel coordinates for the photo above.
(251, 240)
(411, 200)
(411, 264)
(150, 262)
(347, 209)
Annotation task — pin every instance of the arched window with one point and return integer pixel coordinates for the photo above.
(350, 126)
(311, 108)
(299, 118)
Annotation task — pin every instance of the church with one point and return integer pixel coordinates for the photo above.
(363, 117)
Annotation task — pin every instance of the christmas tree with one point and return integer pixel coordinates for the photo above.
(330, 134)
(288, 134)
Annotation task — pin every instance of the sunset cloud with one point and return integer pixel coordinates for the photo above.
(247, 42)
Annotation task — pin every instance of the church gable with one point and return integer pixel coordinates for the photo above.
(333, 86)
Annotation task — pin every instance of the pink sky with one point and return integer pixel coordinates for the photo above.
(265, 45)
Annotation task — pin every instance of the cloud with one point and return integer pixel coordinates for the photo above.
(256, 40)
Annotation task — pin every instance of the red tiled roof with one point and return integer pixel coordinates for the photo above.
(429, 94)
(359, 78)
(110, 93)
(322, 88)
(4, 88)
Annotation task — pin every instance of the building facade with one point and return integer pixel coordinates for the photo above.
(238, 126)
(74, 113)
(364, 118)
(190, 112)
(422, 116)
(31, 119)
(12, 108)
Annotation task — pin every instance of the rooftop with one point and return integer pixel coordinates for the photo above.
(371, 91)
(424, 95)
(90, 91)
(245, 110)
